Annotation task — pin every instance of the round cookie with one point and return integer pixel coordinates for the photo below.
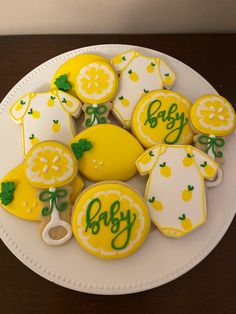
(96, 83)
(110, 220)
(111, 155)
(213, 114)
(162, 117)
(69, 70)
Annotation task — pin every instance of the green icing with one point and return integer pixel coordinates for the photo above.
(52, 97)
(82, 146)
(111, 219)
(163, 164)
(96, 113)
(124, 58)
(212, 143)
(30, 111)
(151, 153)
(152, 200)
(7, 192)
(190, 187)
(175, 121)
(52, 197)
(204, 164)
(62, 83)
(22, 102)
(182, 217)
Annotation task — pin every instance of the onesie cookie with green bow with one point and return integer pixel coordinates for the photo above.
(96, 84)
(212, 118)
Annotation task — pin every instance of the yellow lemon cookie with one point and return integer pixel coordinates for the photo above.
(110, 220)
(96, 83)
(25, 203)
(162, 117)
(112, 153)
(50, 164)
(213, 114)
(70, 69)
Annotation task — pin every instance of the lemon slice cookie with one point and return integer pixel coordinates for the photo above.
(110, 220)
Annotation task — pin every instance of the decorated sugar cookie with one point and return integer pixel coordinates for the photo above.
(175, 191)
(51, 166)
(96, 83)
(212, 117)
(65, 77)
(20, 198)
(108, 153)
(162, 117)
(110, 220)
(46, 116)
(138, 75)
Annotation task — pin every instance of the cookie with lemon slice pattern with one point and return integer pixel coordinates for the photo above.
(110, 220)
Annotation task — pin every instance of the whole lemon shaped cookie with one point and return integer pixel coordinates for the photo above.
(213, 114)
(96, 83)
(162, 117)
(70, 69)
(110, 220)
(112, 154)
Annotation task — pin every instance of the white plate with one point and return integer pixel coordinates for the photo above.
(160, 259)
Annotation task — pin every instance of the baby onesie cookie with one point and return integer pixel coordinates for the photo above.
(51, 166)
(175, 191)
(65, 77)
(110, 220)
(24, 202)
(138, 75)
(46, 116)
(162, 117)
(110, 152)
(212, 117)
(96, 83)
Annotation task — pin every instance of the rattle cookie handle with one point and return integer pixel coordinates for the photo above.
(218, 180)
(55, 222)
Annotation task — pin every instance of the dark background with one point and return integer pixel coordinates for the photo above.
(210, 287)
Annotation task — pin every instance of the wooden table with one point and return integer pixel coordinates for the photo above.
(210, 286)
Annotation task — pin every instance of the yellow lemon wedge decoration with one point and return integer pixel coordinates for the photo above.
(150, 68)
(50, 102)
(56, 126)
(124, 101)
(96, 83)
(118, 59)
(20, 105)
(33, 139)
(157, 205)
(186, 223)
(50, 164)
(208, 169)
(113, 153)
(34, 113)
(188, 160)
(147, 158)
(168, 80)
(133, 76)
(110, 220)
(187, 193)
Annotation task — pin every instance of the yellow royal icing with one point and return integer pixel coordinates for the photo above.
(50, 165)
(96, 83)
(213, 114)
(113, 153)
(26, 204)
(162, 117)
(110, 220)
(72, 67)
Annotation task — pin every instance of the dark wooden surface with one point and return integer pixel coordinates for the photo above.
(210, 286)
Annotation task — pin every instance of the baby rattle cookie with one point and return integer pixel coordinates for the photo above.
(212, 118)
(96, 83)
(46, 116)
(110, 220)
(162, 117)
(106, 152)
(65, 77)
(22, 201)
(138, 75)
(51, 167)
(175, 191)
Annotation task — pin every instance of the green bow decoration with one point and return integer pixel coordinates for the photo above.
(52, 197)
(95, 112)
(212, 143)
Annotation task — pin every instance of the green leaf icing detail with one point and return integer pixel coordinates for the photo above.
(170, 116)
(163, 164)
(111, 219)
(167, 74)
(130, 71)
(204, 164)
(151, 200)
(124, 58)
(55, 121)
(62, 83)
(153, 64)
(30, 111)
(7, 192)
(52, 97)
(22, 102)
(82, 146)
(52, 197)
(146, 91)
(151, 153)
(182, 217)
(31, 137)
(190, 187)
(189, 156)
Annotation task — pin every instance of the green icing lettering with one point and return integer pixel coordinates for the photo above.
(175, 121)
(111, 219)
